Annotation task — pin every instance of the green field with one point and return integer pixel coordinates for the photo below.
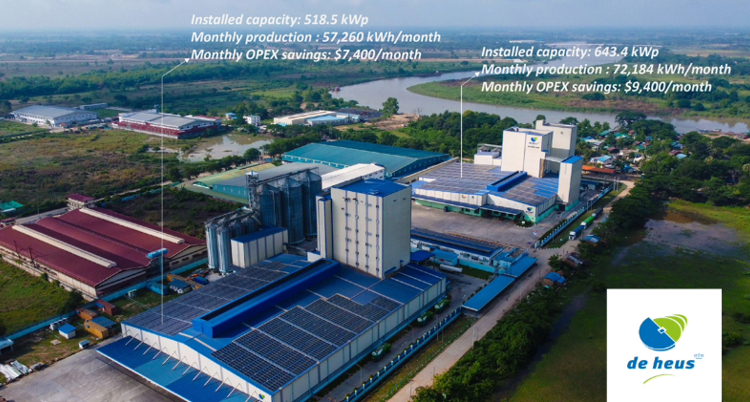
(575, 367)
(12, 129)
(26, 299)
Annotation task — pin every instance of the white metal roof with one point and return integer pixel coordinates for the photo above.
(50, 112)
(350, 173)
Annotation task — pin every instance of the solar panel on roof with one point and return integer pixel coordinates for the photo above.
(369, 311)
(387, 304)
(253, 366)
(297, 338)
(339, 316)
(318, 326)
(279, 354)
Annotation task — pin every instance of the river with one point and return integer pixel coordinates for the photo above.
(373, 94)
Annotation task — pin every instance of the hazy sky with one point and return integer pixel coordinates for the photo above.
(41, 15)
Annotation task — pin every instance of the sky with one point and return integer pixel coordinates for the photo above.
(135, 15)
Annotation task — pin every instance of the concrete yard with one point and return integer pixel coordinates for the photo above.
(87, 377)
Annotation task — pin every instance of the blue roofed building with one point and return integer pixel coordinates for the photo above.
(280, 330)
(341, 154)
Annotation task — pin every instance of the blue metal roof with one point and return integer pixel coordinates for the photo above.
(380, 188)
(266, 231)
(326, 118)
(521, 266)
(572, 159)
(420, 256)
(489, 293)
(104, 322)
(554, 277)
(67, 328)
(460, 243)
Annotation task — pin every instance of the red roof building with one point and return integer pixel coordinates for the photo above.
(95, 250)
(594, 169)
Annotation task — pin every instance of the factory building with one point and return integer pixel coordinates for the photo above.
(524, 179)
(166, 125)
(54, 116)
(342, 154)
(96, 251)
(236, 186)
(277, 331)
(366, 225)
(318, 117)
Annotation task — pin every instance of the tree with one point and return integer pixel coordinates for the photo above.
(540, 117)
(627, 118)
(75, 299)
(5, 107)
(174, 174)
(387, 138)
(251, 154)
(390, 107)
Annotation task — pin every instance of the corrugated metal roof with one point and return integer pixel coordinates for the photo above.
(489, 293)
(380, 188)
(51, 112)
(353, 152)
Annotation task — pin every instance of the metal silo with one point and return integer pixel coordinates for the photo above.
(224, 243)
(213, 248)
(312, 185)
(270, 206)
(291, 207)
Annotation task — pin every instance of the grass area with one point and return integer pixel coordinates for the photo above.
(737, 218)
(26, 299)
(95, 163)
(104, 113)
(399, 378)
(575, 368)
(13, 129)
(184, 211)
(144, 300)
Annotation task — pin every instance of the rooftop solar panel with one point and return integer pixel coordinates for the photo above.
(298, 339)
(339, 316)
(387, 304)
(317, 326)
(276, 352)
(369, 311)
(253, 366)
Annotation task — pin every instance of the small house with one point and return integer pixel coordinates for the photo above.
(67, 331)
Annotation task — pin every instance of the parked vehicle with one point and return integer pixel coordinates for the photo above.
(84, 344)
(442, 304)
(427, 316)
(575, 233)
(378, 353)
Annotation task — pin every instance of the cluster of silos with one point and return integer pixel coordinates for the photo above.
(219, 234)
(289, 202)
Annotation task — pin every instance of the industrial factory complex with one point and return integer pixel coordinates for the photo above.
(282, 327)
(534, 174)
(96, 251)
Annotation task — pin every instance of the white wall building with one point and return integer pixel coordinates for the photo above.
(366, 225)
(353, 173)
(53, 116)
(253, 248)
(564, 138)
(252, 119)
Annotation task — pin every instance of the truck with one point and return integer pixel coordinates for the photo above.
(597, 213)
(201, 280)
(587, 223)
(442, 304)
(426, 316)
(575, 233)
(378, 353)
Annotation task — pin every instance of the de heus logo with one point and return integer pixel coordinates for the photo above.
(661, 335)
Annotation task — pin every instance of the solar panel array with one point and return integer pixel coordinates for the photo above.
(179, 313)
(532, 191)
(298, 338)
(339, 316)
(369, 311)
(387, 304)
(317, 326)
(274, 351)
(475, 178)
(253, 366)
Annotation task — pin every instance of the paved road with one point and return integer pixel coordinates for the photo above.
(450, 356)
(86, 376)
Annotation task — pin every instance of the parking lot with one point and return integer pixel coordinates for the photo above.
(489, 229)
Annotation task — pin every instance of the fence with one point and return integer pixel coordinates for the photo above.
(37, 326)
(402, 357)
(567, 222)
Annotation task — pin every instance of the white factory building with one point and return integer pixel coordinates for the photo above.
(54, 116)
(366, 225)
(533, 173)
(352, 174)
(318, 117)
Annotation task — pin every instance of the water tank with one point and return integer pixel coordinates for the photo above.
(312, 185)
(270, 206)
(291, 210)
(224, 243)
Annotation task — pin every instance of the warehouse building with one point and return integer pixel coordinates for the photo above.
(54, 116)
(318, 117)
(342, 154)
(205, 185)
(167, 125)
(366, 225)
(278, 331)
(96, 251)
(353, 173)
(237, 185)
